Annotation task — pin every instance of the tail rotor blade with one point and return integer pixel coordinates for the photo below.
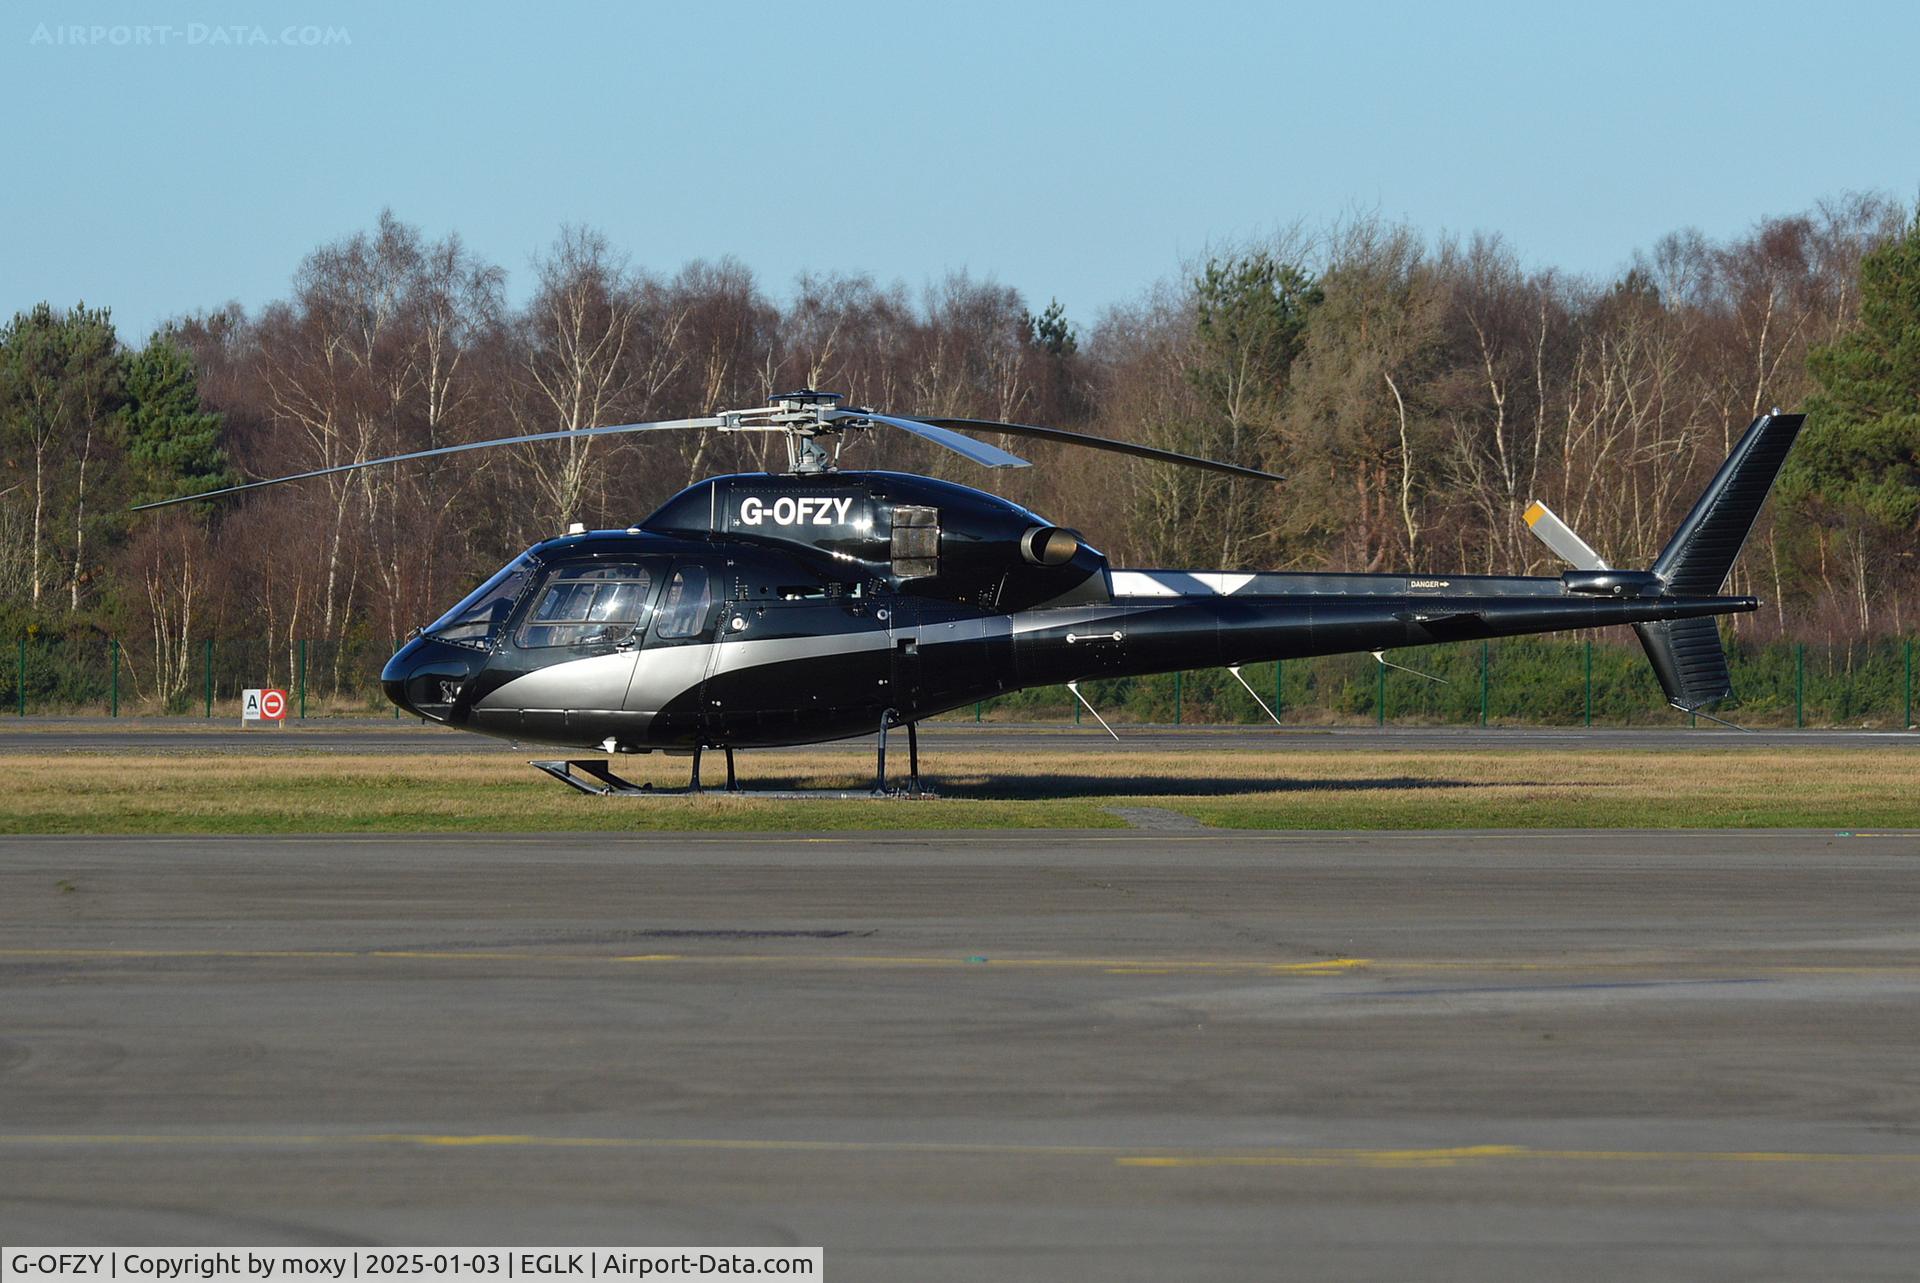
(1558, 535)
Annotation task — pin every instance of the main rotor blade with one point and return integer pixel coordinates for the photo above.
(1106, 443)
(1558, 535)
(980, 452)
(562, 435)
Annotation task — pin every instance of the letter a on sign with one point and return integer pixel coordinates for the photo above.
(250, 706)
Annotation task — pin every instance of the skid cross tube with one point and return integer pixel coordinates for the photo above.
(563, 771)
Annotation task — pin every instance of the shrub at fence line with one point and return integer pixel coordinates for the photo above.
(1527, 680)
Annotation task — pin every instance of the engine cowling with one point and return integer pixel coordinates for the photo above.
(917, 534)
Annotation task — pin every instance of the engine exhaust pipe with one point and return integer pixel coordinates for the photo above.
(1048, 546)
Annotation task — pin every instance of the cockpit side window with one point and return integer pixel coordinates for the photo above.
(481, 615)
(683, 610)
(599, 603)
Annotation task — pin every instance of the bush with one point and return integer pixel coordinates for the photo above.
(1528, 681)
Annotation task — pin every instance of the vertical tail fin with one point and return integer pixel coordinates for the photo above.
(1696, 560)
(1686, 654)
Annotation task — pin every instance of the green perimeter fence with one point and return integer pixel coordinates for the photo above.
(1520, 681)
(201, 679)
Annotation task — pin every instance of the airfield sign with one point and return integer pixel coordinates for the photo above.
(263, 705)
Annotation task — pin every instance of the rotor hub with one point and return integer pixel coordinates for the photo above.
(804, 398)
(803, 415)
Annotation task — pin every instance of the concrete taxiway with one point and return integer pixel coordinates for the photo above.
(959, 1056)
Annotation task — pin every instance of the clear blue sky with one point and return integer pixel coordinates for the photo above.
(1072, 150)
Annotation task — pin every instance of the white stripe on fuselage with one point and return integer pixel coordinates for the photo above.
(1178, 583)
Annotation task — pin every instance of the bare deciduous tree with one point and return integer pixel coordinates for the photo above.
(598, 344)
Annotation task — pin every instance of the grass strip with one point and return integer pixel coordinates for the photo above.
(1427, 789)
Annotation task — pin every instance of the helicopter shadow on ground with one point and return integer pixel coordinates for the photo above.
(1064, 785)
(1053, 786)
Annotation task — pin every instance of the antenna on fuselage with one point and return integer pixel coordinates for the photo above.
(1075, 688)
(1235, 670)
(1381, 657)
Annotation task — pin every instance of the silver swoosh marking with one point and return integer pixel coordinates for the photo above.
(598, 682)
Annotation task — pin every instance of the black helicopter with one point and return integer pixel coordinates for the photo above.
(771, 609)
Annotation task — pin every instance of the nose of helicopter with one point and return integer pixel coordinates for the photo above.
(393, 676)
(428, 677)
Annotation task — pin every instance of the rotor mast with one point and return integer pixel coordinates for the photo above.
(807, 415)
(801, 417)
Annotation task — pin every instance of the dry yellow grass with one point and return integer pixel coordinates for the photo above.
(1763, 787)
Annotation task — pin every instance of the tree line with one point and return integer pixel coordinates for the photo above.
(1417, 392)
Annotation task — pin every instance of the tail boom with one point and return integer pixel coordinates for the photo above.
(1137, 636)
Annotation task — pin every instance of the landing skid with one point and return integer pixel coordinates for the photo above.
(611, 784)
(597, 779)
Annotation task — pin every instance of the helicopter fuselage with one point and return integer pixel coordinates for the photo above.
(764, 610)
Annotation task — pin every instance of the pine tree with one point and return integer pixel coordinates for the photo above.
(1856, 470)
(1052, 332)
(1862, 447)
(173, 446)
(1250, 319)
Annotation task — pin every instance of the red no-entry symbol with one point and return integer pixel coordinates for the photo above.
(273, 705)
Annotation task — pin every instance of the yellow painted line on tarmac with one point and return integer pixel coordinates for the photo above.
(1161, 1157)
(1116, 966)
(1681, 968)
(1466, 1154)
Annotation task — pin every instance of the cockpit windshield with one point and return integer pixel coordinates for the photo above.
(599, 603)
(482, 613)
